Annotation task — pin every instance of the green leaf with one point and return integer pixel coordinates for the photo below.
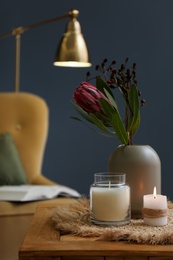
(76, 118)
(119, 128)
(101, 86)
(112, 100)
(136, 126)
(116, 120)
(98, 123)
(91, 118)
(106, 121)
(81, 111)
(135, 107)
(108, 108)
(107, 134)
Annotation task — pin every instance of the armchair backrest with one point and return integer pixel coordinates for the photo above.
(25, 116)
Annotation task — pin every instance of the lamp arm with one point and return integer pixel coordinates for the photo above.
(19, 30)
(22, 29)
(72, 14)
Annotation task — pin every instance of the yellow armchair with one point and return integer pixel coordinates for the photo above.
(26, 117)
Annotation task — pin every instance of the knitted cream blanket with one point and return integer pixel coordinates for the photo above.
(75, 219)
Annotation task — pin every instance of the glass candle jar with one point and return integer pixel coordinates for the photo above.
(110, 199)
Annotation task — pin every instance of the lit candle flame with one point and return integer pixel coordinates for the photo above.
(154, 192)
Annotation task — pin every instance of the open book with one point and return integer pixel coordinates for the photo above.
(35, 192)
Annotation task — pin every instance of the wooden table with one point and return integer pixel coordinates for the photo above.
(43, 242)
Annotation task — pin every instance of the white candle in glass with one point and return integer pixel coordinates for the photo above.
(110, 203)
(156, 202)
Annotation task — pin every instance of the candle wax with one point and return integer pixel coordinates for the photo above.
(159, 202)
(110, 203)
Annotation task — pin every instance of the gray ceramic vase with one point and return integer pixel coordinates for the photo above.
(142, 166)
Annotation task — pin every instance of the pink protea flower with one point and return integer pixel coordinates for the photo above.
(98, 105)
(87, 96)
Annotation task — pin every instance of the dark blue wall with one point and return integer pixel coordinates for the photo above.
(140, 30)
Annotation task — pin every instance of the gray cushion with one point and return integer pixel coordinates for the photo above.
(11, 169)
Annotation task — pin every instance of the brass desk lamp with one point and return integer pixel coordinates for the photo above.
(71, 52)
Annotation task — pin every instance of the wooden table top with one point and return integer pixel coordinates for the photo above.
(44, 242)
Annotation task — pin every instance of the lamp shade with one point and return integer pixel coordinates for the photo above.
(72, 50)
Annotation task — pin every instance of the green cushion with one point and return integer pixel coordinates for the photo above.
(11, 169)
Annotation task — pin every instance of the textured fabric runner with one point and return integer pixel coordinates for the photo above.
(75, 219)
